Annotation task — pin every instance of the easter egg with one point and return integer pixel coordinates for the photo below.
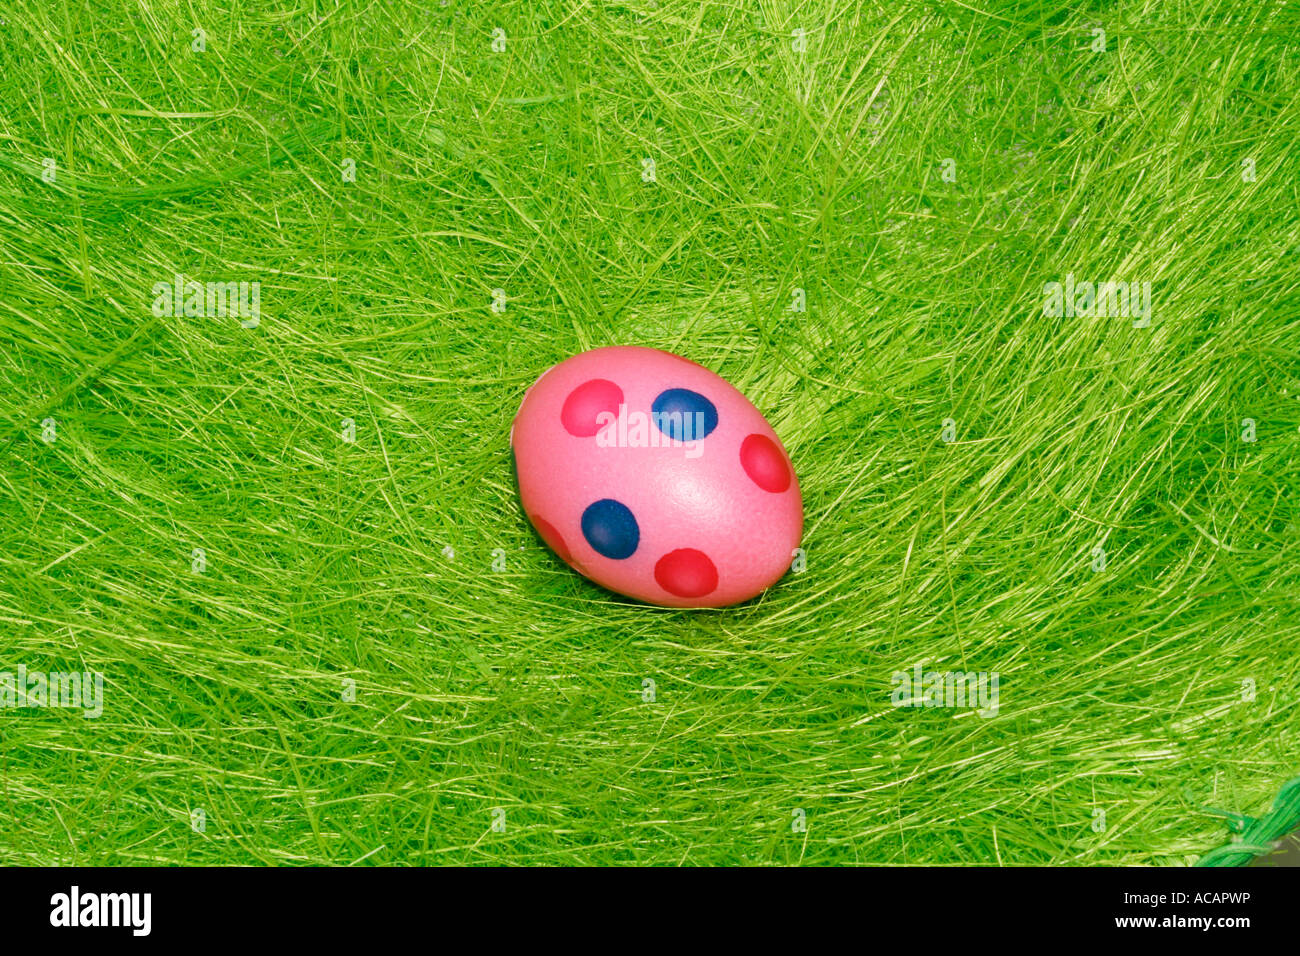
(656, 478)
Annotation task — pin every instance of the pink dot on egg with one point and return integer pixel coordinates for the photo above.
(553, 538)
(585, 403)
(686, 573)
(764, 463)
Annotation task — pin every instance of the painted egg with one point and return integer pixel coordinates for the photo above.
(656, 478)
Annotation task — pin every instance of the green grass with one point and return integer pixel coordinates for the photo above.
(1126, 713)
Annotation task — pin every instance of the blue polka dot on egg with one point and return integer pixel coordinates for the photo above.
(610, 528)
(684, 415)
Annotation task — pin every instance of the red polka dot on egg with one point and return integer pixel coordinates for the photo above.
(554, 540)
(582, 409)
(687, 573)
(765, 463)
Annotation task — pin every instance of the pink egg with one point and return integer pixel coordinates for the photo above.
(656, 478)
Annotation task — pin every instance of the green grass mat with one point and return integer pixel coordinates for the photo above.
(289, 539)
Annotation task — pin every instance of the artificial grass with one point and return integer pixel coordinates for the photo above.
(524, 716)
